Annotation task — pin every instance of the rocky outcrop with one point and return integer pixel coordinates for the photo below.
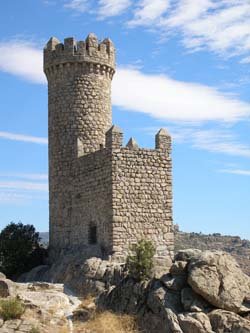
(83, 276)
(224, 321)
(217, 277)
(205, 292)
(47, 307)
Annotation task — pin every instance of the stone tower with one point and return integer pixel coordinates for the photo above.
(102, 196)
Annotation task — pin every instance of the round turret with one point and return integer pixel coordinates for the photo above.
(79, 87)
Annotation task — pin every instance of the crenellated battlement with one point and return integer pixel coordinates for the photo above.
(98, 56)
(114, 140)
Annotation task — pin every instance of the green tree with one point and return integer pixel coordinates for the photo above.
(140, 260)
(20, 249)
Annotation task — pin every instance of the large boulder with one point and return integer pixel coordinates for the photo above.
(218, 279)
(187, 255)
(7, 288)
(196, 322)
(193, 302)
(224, 321)
(160, 298)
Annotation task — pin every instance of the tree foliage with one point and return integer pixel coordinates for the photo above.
(140, 260)
(20, 250)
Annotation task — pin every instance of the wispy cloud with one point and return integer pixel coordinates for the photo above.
(236, 172)
(214, 140)
(23, 138)
(109, 8)
(21, 185)
(219, 26)
(148, 11)
(102, 8)
(222, 26)
(20, 197)
(23, 59)
(31, 187)
(30, 176)
(220, 142)
(245, 60)
(77, 5)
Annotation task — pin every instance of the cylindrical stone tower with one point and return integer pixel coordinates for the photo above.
(79, 86)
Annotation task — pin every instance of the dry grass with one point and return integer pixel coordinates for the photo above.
(108, 322)
(87, 302)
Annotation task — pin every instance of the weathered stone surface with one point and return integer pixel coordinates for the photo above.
(129, 297)
(160, 298)
(174, 283)
(179, 268)
(195, 323)
(218, 279)
(187, 255)
(193, 302)
(7, 288)
(224, 321)
(169, 305)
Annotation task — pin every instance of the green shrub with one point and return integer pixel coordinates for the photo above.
(11, 309)
(140, 260)
(20, 249)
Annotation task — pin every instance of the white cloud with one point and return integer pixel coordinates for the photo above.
(220, 26)
(159, 96)
(214, 140)
(245, 60)
(236, 172)
(19, 196)
(165, 98)
(103, 8)
(148, 11)
(78, 5)
(109, 8)
(21, 185)
(32, 187)
(219, 142)
(21, 58)
(30, 176)
(23, 138)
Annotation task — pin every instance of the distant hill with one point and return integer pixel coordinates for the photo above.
(237, 247)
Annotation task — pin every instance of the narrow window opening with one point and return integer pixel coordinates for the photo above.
(101, 146)
(92, 234)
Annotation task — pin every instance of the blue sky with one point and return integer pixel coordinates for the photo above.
(181, 64)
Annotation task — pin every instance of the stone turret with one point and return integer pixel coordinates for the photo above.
(79, 87)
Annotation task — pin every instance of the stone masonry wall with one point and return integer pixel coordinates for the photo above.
(85, 203)
(142, 200)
